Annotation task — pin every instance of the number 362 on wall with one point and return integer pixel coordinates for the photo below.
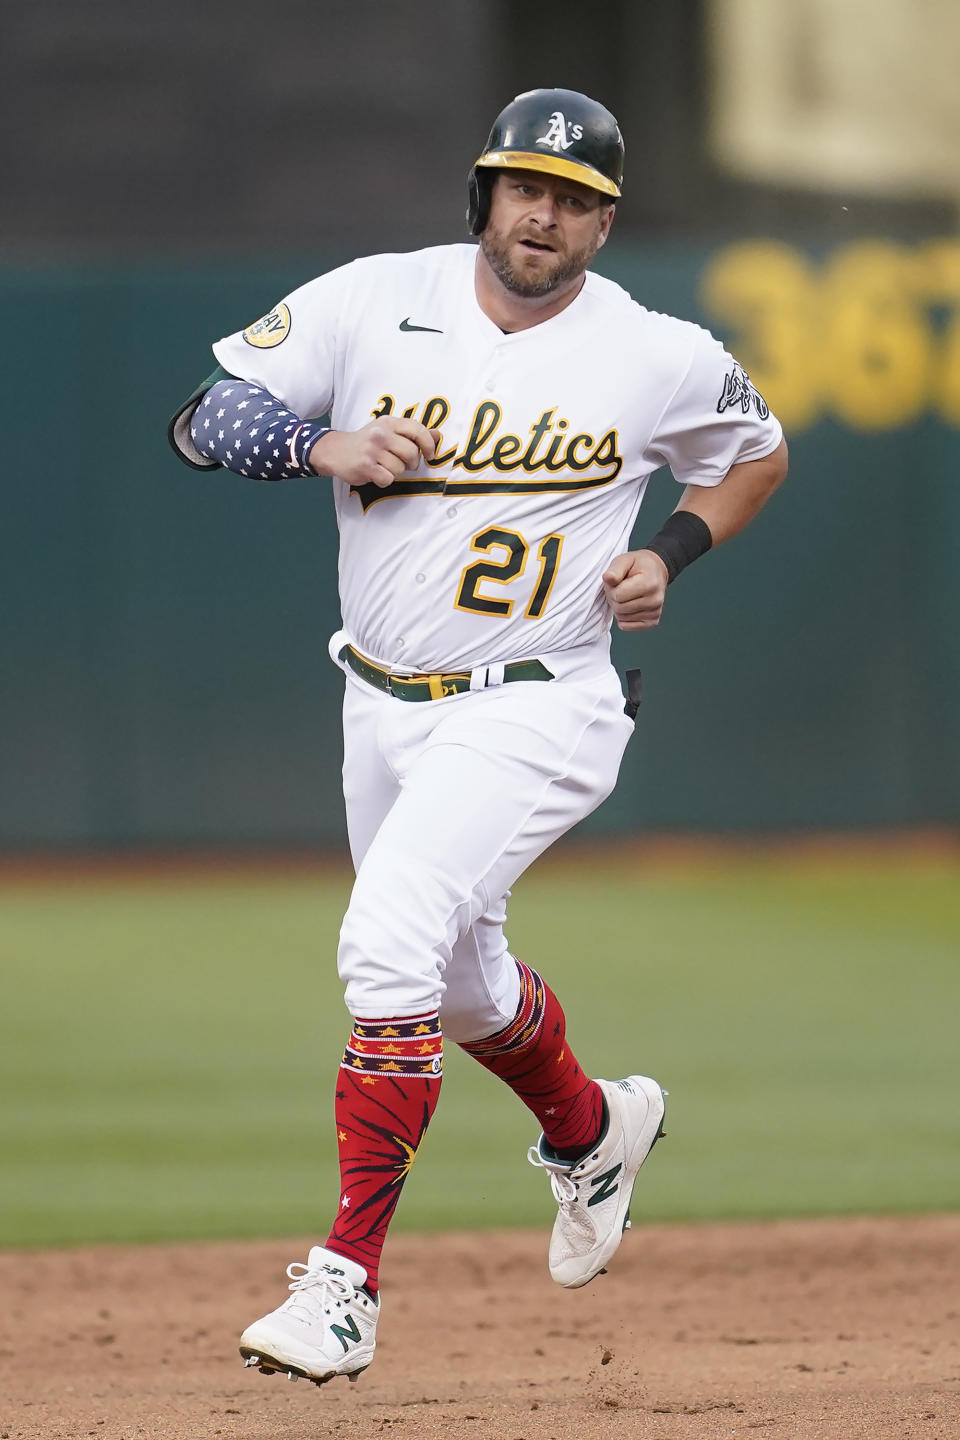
(869, 336)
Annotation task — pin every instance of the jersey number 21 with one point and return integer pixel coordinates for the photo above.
(501, 571)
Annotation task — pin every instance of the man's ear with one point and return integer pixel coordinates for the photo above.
(611, 211)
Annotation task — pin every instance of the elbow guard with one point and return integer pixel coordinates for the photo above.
(243, 427)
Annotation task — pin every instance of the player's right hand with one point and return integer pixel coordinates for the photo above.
(376, 454)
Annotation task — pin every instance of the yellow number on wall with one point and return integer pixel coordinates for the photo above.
(878, 351)
(939, 267)
(862, 338)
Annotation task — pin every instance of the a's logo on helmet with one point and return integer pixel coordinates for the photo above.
(556, 136)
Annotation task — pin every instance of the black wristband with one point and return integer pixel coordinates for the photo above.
(682, 539)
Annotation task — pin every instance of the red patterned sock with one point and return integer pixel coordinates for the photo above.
(532, 1055)
(387, 1089)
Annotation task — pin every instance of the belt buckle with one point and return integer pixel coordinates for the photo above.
(434, 684)
(438, 686)
(404, 680)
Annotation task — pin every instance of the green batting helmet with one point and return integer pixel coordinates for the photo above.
(559, 132)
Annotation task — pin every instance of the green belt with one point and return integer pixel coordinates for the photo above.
(432, 687)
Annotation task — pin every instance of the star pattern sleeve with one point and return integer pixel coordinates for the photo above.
(244, 428)
(715, 419)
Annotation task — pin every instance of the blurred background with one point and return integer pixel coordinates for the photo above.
(174, 170)
(171, 171)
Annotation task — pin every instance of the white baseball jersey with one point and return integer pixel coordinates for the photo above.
(494, 550)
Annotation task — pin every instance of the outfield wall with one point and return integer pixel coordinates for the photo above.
(164, 645)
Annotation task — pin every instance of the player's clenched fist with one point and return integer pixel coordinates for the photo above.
(377, 454)
(635, 585)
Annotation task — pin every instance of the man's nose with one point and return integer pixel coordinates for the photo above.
(545, 211)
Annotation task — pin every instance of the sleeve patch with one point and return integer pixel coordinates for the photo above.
(272, 330)
(738, 391)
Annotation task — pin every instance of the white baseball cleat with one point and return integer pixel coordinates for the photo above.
(593, 1194)
(328, 1327)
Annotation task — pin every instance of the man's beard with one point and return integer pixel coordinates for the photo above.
(496, 251)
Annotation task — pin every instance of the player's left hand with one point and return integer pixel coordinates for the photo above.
(635, 585)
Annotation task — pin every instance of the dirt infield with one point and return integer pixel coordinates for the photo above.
(819, 1330)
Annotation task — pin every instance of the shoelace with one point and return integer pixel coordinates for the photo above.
(564, 1190)
(316, 1292)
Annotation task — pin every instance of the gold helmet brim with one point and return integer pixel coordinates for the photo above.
(549, 165)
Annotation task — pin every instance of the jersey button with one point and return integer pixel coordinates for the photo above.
(420, 577)
(452, 511)
(400, 643)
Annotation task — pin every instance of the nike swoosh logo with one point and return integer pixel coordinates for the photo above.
(405, 325)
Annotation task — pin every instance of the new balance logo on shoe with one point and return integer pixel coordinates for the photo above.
(604, 1186)
(593, 1195)
(346, 1332)
(298, 1338)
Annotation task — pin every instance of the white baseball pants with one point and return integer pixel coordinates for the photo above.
(448, 801)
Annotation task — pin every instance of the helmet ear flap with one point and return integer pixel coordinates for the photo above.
(479, 182)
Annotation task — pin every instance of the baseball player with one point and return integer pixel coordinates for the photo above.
(495, 412)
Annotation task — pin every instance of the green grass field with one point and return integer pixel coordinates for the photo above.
(168, 1050)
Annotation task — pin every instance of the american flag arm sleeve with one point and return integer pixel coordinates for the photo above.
(246, 429)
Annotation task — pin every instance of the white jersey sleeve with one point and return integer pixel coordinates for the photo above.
(715, 418)
(292, 350)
